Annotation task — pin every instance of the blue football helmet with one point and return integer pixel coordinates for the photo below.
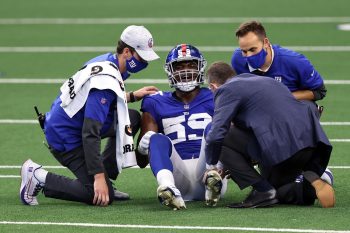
(184, 67)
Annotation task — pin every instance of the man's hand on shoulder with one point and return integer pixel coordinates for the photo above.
(148, 90)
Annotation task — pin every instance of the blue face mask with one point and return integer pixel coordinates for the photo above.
(257, 60)
(133, 65)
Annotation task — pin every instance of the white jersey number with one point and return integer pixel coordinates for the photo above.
(195, 121)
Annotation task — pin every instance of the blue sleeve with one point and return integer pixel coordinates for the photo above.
(238, 62)
(98, 104)
(226, 107)
(310, 79)
(149, 105)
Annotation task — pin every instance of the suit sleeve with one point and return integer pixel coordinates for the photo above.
(227, 103)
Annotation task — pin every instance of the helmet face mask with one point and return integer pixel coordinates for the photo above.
(185, 67)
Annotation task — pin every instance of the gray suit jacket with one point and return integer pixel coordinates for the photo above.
(281, 124)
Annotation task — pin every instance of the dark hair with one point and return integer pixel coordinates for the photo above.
(219, 72)
(251, 26)
(121, 46)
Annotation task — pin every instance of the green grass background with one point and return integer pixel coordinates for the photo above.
(21, 141)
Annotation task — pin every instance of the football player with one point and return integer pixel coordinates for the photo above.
(172, 129)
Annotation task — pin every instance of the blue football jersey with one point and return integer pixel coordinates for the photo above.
(183, 123)
(104, 57)
(291, 68)
(64, 133)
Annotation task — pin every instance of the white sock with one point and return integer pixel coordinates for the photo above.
(165, 178)
(40, 174)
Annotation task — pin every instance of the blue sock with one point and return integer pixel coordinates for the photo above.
(160, 149)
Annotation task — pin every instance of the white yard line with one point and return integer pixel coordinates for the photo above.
(19, 166)
(8, 167)
(29, 121)
(335, 123)
(97, 225)
(9, 176)
(131, 81)
(61, 81)
(339, 140)
(173, 20)
(84, 49)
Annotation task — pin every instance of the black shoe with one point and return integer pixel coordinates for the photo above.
(120, 196)
(257, 199)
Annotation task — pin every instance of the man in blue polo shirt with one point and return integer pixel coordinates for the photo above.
(91, 106)
(258, 56)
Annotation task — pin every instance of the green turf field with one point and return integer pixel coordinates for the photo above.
(34, 46)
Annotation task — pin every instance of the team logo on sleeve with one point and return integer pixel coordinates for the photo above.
(128, 130)
(103, 101)
(278, 78)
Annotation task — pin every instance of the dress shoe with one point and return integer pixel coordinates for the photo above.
(257, 200)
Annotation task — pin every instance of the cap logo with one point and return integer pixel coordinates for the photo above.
(150, 42)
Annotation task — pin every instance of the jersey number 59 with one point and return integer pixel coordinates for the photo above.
(195, 121)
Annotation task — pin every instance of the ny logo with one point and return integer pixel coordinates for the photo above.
(278, 78)
(132, 64)
(181, 53)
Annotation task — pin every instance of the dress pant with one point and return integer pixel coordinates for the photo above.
(80, 189)
(236, 159)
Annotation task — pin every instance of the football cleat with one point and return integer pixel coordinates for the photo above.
(30, 185)
(213, 186)
(170, 196)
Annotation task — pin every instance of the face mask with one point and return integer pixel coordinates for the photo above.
(133, 65)
(125, 75)
(257, 60)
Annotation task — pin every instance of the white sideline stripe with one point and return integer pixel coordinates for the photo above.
(28, 121)
(335, 123)
(337, 81)
(61, 81)
(61, 167)
(99, 225)
(131, 81)
(83, 49)
(9, 176)
(344, 27)
(48, 167)
(173, 20)
(339, 140)
(18, 166)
